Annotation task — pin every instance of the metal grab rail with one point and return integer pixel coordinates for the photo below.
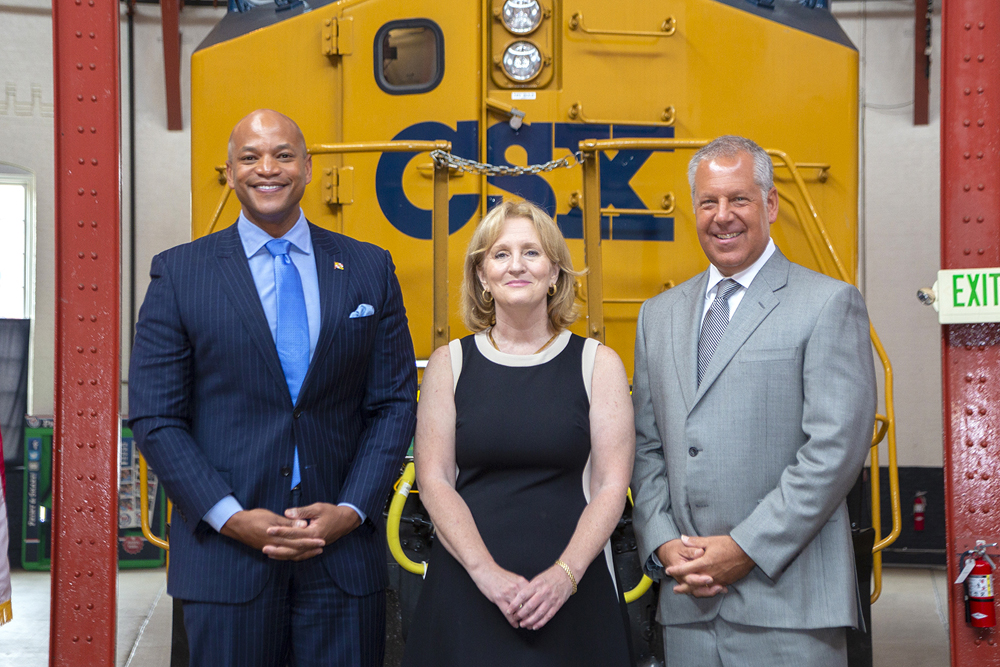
(403, 487)
(881, 428)
(144, 506)
(668, 116)
(644, 583)
(595, 301)
(667, 28)
(399, 496)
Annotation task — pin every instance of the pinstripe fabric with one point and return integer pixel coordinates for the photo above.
(211, 411)
(716, 321)
(302, 620)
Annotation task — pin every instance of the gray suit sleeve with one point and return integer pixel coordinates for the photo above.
(651, 516)
(839, 404)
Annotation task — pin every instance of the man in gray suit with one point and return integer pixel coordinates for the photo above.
(754, 395)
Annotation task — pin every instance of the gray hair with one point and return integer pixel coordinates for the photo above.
(729, 146)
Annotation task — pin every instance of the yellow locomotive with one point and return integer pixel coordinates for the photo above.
(515, 86)
(522, 82)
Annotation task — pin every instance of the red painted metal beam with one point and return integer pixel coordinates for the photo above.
(170, 18)
(921, 62)
(87, 355)
(970, 238)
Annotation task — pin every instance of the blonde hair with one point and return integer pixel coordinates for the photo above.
(479, 314)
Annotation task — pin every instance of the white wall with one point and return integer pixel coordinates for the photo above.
(27, 141)
(162, 157)
(900, 211)
(900, 214)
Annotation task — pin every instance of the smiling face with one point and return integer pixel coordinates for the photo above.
(516, 270)
(732, 215)
(268, 168)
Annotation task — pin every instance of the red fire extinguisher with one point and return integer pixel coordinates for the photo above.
(977, 574)
(919, 509)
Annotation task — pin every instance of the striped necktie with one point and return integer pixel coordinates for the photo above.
(292, 335)
(716, 321)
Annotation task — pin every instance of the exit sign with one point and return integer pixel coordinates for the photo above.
(968, 296)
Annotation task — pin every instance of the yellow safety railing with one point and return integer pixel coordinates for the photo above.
(644, 583)
(403, 488)
(818, 239)
(144, 506)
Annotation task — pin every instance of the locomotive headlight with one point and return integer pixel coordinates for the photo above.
(522, 61)
(521, 16)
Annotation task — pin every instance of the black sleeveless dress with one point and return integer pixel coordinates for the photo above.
(522, 445)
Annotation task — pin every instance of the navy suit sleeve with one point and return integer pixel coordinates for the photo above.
(389, 406)
(160, 390)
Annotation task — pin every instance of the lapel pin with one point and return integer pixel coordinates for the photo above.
(338, 265)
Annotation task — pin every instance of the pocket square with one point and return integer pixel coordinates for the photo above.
(363, 310)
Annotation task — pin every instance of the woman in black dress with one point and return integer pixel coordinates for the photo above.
(523, 453)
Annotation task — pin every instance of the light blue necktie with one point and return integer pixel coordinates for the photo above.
(292, 330)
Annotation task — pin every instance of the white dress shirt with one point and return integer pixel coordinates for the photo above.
(744, 278)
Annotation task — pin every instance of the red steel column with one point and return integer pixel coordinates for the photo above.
(87, 263)
(170, 19)
(970, 238)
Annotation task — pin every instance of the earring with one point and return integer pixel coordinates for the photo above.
(552, 289)
(487, 297)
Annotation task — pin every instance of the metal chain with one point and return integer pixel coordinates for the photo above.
(473, 167)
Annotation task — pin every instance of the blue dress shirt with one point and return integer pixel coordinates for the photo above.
(262, 269)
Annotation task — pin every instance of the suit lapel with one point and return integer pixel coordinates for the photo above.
(332, 290)
(685, 319)
(757, 303)
(238, 284)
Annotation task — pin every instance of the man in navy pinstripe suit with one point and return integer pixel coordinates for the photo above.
(278, 555)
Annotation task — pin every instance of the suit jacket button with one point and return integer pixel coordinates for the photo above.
(693, 451)
(297, 414)
(286, 471)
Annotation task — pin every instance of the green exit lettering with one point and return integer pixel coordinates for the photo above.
(969, 290)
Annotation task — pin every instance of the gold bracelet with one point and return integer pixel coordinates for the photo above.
(569, 573)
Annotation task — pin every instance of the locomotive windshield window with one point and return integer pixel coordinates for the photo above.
(409, 56)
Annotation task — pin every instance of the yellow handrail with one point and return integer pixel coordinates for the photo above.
(144, 506)
(668, 117)
(644, 583)
(639, 590)
(403, 487)
(667, 28)
(590, 147)
(881, 427)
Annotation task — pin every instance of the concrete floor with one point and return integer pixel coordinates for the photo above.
(144, 615)
(909, 621)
